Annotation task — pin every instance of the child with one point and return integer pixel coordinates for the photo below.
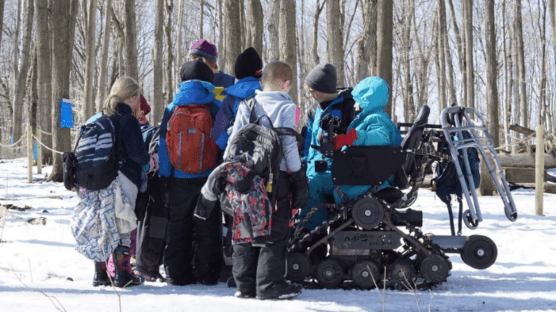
(260, 271)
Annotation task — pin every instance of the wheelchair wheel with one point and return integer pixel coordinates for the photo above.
(479, 252)
(365, 274)
(330, 273)
(435, 268)
(298, 267)
(468, 220)
(402, 274)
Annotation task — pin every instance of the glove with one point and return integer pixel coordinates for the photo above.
(341, 139)
(300, 189)
(153, 163)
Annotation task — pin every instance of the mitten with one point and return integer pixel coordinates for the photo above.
(339, 141)
(351, 137)
(300, 189)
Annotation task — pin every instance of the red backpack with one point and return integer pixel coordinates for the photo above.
(190, 147)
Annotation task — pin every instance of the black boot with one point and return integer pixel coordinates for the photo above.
(124, 274)
(101, 277)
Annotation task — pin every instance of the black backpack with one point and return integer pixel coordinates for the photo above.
(258, 148)
(93, 165)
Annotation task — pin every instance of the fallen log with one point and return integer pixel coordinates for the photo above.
(525, 160)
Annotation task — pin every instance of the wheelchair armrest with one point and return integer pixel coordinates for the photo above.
(366, 165)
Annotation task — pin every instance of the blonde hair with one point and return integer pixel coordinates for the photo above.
(124, 88)
(276, 73)
(210, 62)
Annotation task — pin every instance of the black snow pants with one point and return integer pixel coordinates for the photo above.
(152, 224)
(180, 196)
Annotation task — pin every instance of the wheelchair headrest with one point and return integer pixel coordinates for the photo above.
(417, 127)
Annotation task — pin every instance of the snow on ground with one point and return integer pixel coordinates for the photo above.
(36, 260)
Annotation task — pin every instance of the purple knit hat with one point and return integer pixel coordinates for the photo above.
(204, 48)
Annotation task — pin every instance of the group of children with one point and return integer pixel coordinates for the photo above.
(194, 137)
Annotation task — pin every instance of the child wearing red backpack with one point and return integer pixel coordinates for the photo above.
(187, 155)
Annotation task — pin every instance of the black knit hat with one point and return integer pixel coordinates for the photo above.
(196, 70)
(248, 64)
(322, 78)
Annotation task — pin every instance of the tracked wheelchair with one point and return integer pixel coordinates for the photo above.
(376, 238)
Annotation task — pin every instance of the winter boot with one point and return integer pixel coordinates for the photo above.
(282, 290)
(100, 278)
(124, 273)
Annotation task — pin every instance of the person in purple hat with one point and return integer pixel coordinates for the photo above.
(205, 51)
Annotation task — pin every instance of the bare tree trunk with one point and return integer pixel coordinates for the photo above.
(272, 25)
(470, 71)
(460, 49)
(255, 19)
(507, 83)
(441, 18)
(131, 40)
(542, 101)
(385, 44)
(440, 79)
(288, 46)
(169, 57)
(202, 13)
(242, 25)
(44, 75)
(104, 57)
(408, 101)
(314, 52)
(366, 46)
(158, 102)
(446, 52)
(16, 46)
(521, 64)
(1, 20)
(33, 93)
(335, 48)
(20, 87)
(233, 32)
(89, 101)
(63, 15)
(180, 52)
(221, 37)
(492, 73)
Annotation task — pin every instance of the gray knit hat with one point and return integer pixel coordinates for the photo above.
(322, 78)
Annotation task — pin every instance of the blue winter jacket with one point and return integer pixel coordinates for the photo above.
(191, 92)
(243, 89)
(341, 107)
(373, 125)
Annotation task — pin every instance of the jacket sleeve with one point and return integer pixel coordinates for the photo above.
(133, 141)
(163, 158)
(308, 135)
(289, 143)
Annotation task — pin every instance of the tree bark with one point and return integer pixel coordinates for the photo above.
(408, 100)
(316, 17)
(273, 24)
(169, 57)
(89, 101)
(255, 18)
(104, 57)
(202, 17)
(366, 46)
(158, 102)
(521, 64)
(447, 55)
(131, 40)
(1, 20)
(63, 15)
(507, 81)
(44, 75)
(221, 37)
(461, 51)
(233, 32)
(470, 72)
(335, 46)
(492, 73)
(288, 46)
(385, 44)
(441, 70)
(20, 87)
(542, 97)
